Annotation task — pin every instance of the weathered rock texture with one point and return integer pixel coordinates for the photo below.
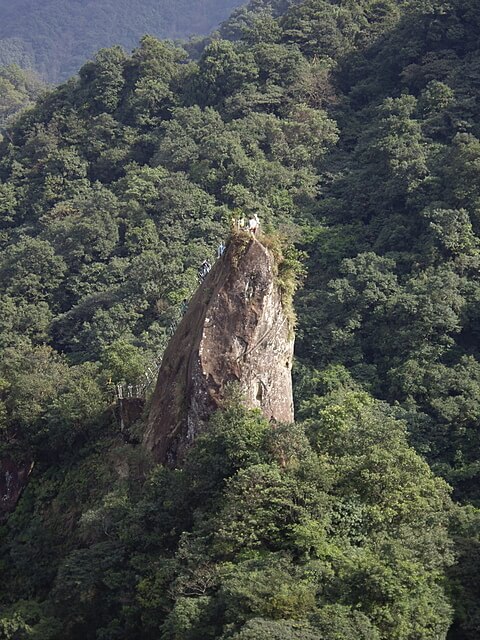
(235, 329)
(13, 479)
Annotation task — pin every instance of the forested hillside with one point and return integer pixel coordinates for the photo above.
(18, 89)
(57, 36)
(352, 129)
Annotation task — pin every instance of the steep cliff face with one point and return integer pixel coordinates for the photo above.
(235, 330)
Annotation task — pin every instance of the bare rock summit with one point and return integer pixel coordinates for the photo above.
(234, 330)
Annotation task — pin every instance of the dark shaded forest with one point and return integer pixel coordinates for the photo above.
(353, 129)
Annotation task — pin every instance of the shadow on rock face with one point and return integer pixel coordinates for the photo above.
(235, 330)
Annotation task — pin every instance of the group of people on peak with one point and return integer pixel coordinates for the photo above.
(252, 225)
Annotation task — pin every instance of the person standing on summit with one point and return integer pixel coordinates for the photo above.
(253, 224)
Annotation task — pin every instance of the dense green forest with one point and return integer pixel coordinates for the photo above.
(353, 128)
(57, 36)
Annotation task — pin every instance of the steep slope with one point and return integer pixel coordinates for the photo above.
(235, 330)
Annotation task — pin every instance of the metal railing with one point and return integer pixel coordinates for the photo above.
(140, 387)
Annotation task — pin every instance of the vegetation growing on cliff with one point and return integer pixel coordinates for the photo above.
(290, 266)
(355, 124)
(289, 261)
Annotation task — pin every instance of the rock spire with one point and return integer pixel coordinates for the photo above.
(234, 330)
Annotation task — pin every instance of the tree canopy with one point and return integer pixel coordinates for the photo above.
(57, 36)
(353, 130)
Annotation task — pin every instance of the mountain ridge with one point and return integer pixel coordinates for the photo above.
(56, 37)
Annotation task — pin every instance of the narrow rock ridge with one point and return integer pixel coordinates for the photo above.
(235, 330)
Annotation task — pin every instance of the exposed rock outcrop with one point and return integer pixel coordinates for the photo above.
(235, 329)
(13, 479)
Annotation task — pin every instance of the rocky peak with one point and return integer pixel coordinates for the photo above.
(234, 330)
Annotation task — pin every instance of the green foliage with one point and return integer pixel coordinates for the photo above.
(340, 622)
(123, 361)
(58, 37)
(326, 511)
(259, 629)
(351, 128)
(298, 540)
(49, 406)
(18, 89)
(465, 529)
(234, 438)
